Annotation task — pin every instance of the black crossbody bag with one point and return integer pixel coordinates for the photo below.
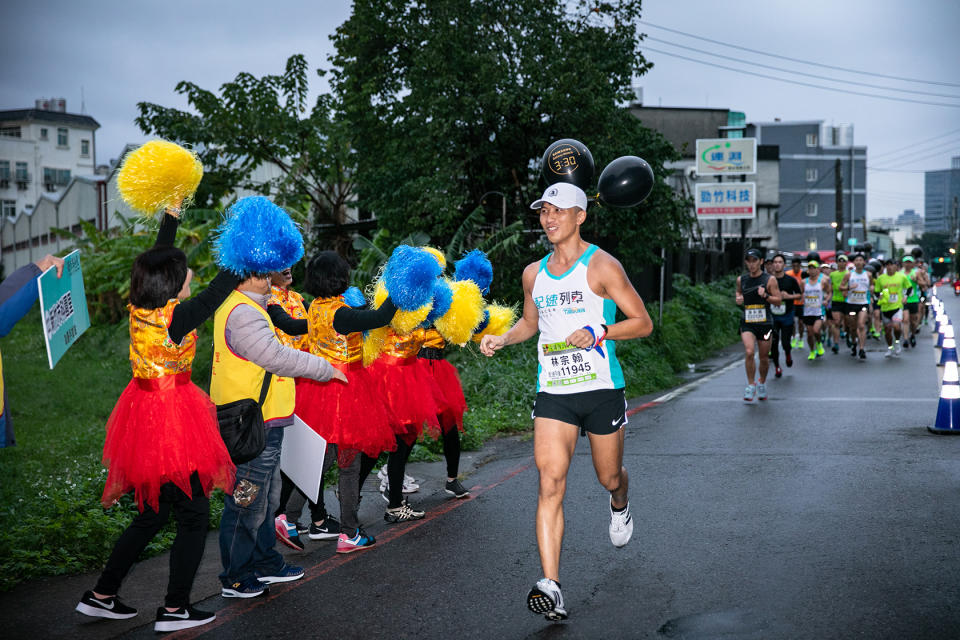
(241, 425)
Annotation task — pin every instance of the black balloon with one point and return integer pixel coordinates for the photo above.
(813, 255)
(916, 252)
(567, 160)
(625, 182)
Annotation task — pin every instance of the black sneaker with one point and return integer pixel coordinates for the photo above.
(111, 607)
(863, 354)
(456, 489)
(182, 618)
(329, 530)
(913, 340)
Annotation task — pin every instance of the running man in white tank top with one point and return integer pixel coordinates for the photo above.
(570, 299)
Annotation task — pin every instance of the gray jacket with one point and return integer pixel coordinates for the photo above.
(249, 336)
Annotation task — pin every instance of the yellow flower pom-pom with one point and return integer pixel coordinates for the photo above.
(501, 320)
(404, 322)
(373, 345)
(159, 175)
(465, 313)
(436, 253)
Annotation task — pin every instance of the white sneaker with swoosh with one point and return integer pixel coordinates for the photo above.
(621, 525)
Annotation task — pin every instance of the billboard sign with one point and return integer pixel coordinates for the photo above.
(726, 156)
(726, 200)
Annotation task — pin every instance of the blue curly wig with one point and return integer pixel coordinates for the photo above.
(475, 266)
(257, 236)
(442, 299)
(409, 277)
(354, 297)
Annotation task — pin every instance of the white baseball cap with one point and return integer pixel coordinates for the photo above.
(563, 195)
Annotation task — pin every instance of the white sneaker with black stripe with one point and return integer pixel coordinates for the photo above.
(621, 525)
(545, 598)
(182, 618)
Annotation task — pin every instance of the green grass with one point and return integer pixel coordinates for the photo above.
(51, 521)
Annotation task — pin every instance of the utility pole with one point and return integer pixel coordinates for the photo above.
(838, 215)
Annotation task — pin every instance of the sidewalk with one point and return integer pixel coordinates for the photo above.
(44, 607)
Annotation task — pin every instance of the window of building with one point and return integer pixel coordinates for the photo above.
(53, 178)
(812, 209)
(62, 137)
(812, 175)
(8, 208)
(10, 131)
(85, 148)
(811, 139)
(4, 170)
(22, 175)
(43, 134)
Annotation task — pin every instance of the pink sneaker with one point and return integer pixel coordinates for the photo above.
(287, 533)
(358, 542)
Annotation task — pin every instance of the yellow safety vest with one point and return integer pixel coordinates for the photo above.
(234, 378)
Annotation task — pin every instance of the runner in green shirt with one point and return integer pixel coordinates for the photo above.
(838, 307)
(890, 288)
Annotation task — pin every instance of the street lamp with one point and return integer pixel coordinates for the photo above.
(503, 208)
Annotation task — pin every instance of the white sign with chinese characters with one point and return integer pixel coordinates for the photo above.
(726, 156)
(726, 200)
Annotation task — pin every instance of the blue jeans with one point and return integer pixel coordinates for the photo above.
(247, 537)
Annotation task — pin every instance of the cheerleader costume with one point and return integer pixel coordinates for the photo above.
(450, 401)
(292, 304)
(350, 415)
(163, 428)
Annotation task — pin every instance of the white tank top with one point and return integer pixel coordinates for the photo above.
(858, 288)
(813, 296)
(566, 303)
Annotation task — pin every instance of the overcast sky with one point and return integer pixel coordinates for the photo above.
(121, 53)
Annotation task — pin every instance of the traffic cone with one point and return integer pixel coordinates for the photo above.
(949, 352)
(948, 411)
(943, 331)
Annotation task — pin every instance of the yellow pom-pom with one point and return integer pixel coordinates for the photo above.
(159, 175)
(501, 320)
(465, 313)
(405, 322)
(380, 294)
(373, 344)
(436, 253)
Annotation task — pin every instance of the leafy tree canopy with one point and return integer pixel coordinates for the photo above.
(449, 99)
(263, 120)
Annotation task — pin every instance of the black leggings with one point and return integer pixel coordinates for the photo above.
(396, 466)
(782, 333)
(193, 518)
(451, 451)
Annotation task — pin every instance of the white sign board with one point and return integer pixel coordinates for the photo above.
(726, 200)
(726, 156)
(301, 457)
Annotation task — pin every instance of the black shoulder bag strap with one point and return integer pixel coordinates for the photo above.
(263, 390)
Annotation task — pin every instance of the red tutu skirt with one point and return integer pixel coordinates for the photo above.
(351, 416)
(451, 402)
(163, 430)
(409, 393)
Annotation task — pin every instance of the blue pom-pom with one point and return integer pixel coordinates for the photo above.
(354, 297)
(442, 299)
(409, 277)
(257, 236)
(483, 323)
(475, 266)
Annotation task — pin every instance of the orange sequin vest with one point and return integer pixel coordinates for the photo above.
(399, 348)
(323, 341)
(152, 353)
(433, 340)
(292, 303)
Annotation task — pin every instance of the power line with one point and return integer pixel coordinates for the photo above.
(932, 151)
(949, 134)
(801, 83)
(807, 62)
(803, 73)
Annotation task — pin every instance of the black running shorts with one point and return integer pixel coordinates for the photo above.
(811, 320)
(854, 309)
(600, 412)
(838, 306)
(911, 307)
(762, 331)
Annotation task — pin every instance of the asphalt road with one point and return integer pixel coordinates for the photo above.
(827, 511)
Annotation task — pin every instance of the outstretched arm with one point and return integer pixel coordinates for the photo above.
(526, 327)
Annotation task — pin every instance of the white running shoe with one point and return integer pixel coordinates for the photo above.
(409, 484)
(889, 353)
(761, 391)
(750, 393)
(897, 349)
(545, 598)
(621, 525)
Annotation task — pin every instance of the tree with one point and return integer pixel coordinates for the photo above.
(254, 121)
(450, 99)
